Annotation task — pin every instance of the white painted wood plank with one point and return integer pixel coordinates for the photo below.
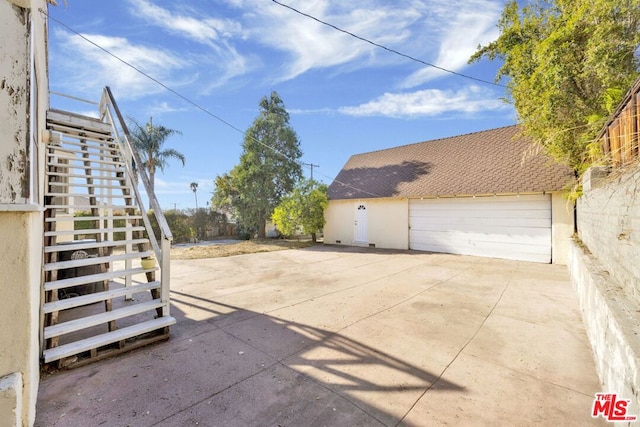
(97, 341)
(60, 118)
(92, 231)
(65, 304)
(97, 196)
(99, 319)
(82, 166)
(83, 176)
(90, 160)
(93, 218)
(91, 278)
(91, 245)
(95, 260)
(91, 150)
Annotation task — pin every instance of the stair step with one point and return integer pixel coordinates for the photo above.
(79, 153)
(93, 218)
(92, 278)
(108, 147)
(87, 207)
(83, 160)
(95, 260)
(75, 184)
(77, 121)
(92, 231)
(71, 349)
(90, 167)
(99, 319)
(65, 304)
(98, 196)
(82, 134)
(84, 176)
(91, 245)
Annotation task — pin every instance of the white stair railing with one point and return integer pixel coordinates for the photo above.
(111, 114)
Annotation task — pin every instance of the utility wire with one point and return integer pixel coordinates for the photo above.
(196, 105)
(386, 48)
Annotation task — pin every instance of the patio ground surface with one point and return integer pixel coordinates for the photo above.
(342, 336)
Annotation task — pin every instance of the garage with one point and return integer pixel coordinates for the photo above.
(510, 227)
(480, 194)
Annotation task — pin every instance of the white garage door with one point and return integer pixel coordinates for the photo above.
(508, 227)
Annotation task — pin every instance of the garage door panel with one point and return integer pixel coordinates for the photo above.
(484, 203)
(457, 237)
(474, 223)
(471, 212)
(508, 227)
(514, 252)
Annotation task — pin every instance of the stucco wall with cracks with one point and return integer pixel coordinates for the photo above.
(23, 106)
(14, 104)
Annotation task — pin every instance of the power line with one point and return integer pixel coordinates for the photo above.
(404, 55)
(193, 103)
(198, 106)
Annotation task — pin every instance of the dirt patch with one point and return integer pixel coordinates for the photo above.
(243, 247)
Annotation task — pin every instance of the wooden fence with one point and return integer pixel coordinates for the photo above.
(619, 137)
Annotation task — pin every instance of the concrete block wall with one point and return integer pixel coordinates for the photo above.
(611, 321)
(608, 220)
(605, 270)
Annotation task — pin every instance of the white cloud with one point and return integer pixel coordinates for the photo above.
(89, 68)
(312, 45)
(468, 24)
(428, 103)
(204, 30)
(216, 34)
(163, 108)
(441, 32)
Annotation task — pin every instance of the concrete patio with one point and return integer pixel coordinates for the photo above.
(341, 336)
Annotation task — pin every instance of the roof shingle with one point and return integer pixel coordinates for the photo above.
(488, 162)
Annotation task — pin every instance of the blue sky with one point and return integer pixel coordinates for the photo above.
(344, 96)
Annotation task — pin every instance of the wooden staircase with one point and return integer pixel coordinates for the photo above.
(99, 298)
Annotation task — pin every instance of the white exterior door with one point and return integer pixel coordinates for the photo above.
(510, 227)
(360, 234)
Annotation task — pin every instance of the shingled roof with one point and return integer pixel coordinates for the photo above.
(488, 162)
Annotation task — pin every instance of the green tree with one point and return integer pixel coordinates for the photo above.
(149, 140)
(224, 193)
(567, 63)
(179, 224)
(302, 208)
(267, 171)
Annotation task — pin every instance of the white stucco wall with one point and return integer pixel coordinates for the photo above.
(20, 261)
(387, 222)
(562, 226)
(23, 105)
(339, 216)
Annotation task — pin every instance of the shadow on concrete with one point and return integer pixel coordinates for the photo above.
(227, 366)
(336, 362)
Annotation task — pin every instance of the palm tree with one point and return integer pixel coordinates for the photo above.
(194, 188)
(149, 140)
